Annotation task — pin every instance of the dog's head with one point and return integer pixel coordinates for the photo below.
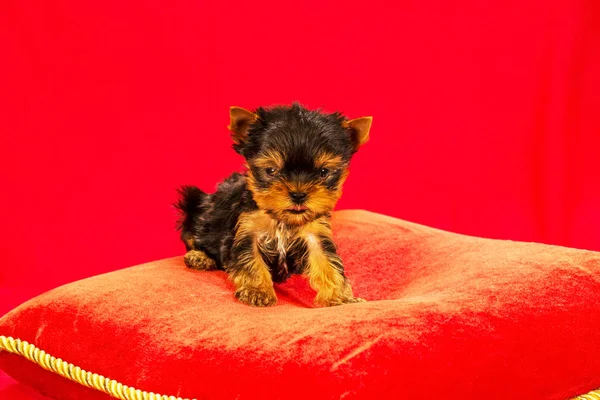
(297, 159)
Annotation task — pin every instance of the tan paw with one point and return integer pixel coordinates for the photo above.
(197, 259)
(355, 300)
(257, 297)
(337, 301)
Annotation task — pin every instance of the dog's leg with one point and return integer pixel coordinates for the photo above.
(250, 274)
(196, 258)
(324, 268)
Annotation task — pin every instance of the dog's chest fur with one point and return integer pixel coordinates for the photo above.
(282, 248)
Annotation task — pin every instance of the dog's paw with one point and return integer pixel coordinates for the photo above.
(257, 297)
(355, 300)
(338, 301)
(197, 259)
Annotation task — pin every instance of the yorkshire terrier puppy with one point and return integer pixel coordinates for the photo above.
(273, 220)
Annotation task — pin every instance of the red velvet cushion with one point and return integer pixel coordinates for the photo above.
(448, 316)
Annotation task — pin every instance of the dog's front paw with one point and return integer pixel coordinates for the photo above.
(257, 297)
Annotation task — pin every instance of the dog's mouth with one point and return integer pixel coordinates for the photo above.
(297, 209)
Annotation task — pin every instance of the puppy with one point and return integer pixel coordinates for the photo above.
(273, 220)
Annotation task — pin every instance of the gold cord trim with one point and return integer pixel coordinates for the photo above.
(109, 386)
(76, 374)
(593, 395)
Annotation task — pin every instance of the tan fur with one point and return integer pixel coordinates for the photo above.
(277, 199)
(253, 223)
(331, 286)
(197, 259)
(252, 278)
(361, 126)
(271, 159)
(240, 121)
(329, 160)
(265, 237)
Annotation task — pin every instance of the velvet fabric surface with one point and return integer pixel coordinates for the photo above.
(447, 316)
(11, 390)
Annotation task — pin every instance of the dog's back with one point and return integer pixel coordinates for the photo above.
(208, 221)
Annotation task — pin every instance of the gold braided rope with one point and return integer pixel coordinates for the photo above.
(76, 374)
(593, 395)
(109, 386)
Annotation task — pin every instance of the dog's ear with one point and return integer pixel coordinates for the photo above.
(359, 129)
(240, 120)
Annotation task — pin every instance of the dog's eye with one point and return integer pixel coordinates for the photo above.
(271, 171)
(323, 172)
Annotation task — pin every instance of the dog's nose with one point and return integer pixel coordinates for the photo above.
(298, 197)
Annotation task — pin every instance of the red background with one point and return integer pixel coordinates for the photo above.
(486, 117)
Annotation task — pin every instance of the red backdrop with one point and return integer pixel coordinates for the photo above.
(486, 117)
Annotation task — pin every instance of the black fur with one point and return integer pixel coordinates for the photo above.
(208, 221)
(300, 134)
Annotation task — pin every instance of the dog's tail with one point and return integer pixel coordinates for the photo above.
(191, 204)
